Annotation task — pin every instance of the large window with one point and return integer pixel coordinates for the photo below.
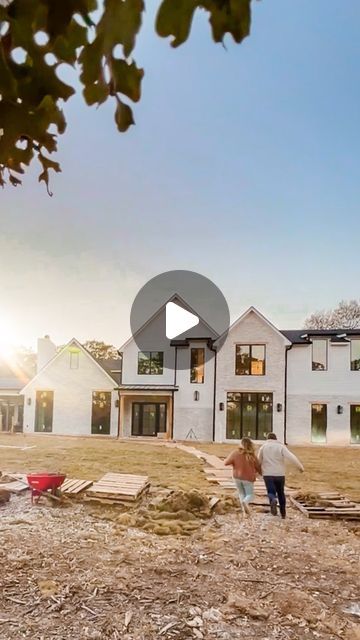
(44, 411)
(150, 363)
(101, 412)
(319, 355)
(355, 355)
(250, 360)
(318, 422)
(197, 366)
(355, 424)
(249, 414)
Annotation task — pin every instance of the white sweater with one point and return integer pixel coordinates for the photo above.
(272, 456)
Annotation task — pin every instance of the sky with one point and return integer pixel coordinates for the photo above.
(243, 166)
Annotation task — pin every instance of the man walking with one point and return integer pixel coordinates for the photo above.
(272, 456)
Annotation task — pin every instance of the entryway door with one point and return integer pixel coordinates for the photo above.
(148, 418)
(44, 409)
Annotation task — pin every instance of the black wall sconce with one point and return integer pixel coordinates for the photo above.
(196, 395)
(221, 406)
(279, 407)
(340, 409)
(117, 403)
(28, 401)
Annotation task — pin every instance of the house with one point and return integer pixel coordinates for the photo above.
(323, 387)
(304, 386)
(71, 393)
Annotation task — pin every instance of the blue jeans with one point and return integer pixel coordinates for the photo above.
(245, 489)
(275, 486)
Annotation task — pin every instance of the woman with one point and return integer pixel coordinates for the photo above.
(245, 469)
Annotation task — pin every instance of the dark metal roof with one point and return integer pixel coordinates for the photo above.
(148, 387)
(298, 336)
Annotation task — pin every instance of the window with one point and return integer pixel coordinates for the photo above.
(250, 360)
(197, 366)
(249, 414)
(101, 410)
(318, 422)
(319, 355)
(148, 418)
(355, 424)
(150, 363)
(74, 359)
(44, 411)
(355, 355)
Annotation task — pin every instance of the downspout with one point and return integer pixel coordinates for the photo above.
(211, 347)
(173, 396)
(119, 397)
(285, 392)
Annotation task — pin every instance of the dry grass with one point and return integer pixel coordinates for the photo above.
(335, 468)
(326, 467)
(92, 458)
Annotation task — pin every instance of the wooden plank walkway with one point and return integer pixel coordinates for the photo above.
(332, 506)
(118, 487)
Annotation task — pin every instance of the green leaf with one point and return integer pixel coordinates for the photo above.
(90, 61)
(123, 116)
(127, 78)
(229, 16)
(96, 93)
(174, 18)
(120, 24)
(47, 164)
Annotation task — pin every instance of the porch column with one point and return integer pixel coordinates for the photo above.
(122, 416)
(170, 426)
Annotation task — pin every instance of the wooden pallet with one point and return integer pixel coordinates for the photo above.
(340, 507)
(118, 487)
(72, 486)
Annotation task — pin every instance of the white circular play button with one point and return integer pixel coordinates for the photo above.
(179, 309)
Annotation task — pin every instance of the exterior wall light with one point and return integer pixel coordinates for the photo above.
(221, 406)
(196, 395)
(117, 403)
(340, 409)
(29, 401)
(279, 407)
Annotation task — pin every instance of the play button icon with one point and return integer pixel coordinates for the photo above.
(174, 313)
(178, 320)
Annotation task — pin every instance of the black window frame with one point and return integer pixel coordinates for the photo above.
(105, 427)
(241, 398)
(44, 395)
(250, 346)
(326, 354)
(194, 367)
(151, 359)
(141, 406)
(354, 364)
(353, 407)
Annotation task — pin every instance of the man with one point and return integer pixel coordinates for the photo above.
(272, 456)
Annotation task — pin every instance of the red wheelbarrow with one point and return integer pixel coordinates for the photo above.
(44, 484)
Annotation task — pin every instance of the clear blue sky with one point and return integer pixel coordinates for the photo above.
(243, 165)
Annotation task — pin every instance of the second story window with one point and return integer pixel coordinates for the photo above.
(319, 355)
(250, 360)
(197, 366)
(74, 359)
(355, 354)
(150, 363)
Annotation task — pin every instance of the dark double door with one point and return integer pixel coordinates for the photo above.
(148, 418)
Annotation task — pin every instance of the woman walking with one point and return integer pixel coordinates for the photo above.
(245, 469)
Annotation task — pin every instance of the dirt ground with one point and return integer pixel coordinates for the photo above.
(86, 572)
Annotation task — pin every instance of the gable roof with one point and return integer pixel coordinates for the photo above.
(78, 344)
(261, 317)
(175, 297)
(303, 336)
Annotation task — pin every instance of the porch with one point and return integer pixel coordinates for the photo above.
(146, 411)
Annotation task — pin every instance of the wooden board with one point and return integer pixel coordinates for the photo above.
(118, 487)
(72, 486)
(18, 486)
(340, 508)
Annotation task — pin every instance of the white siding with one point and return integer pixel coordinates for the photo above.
(190, 414)
(336, 386)
(72, 395)
(251, 330)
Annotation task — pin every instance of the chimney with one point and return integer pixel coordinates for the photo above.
(45, 352)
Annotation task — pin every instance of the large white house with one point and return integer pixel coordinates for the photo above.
(303, 385)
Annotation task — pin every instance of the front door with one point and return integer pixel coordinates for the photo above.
(148, 418)
(44, 411)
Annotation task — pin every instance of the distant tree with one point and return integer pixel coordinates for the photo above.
(97, 39)
(100, 350)
(26, 359)
(345, 316)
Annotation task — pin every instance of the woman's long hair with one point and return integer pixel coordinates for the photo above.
(247, 447)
